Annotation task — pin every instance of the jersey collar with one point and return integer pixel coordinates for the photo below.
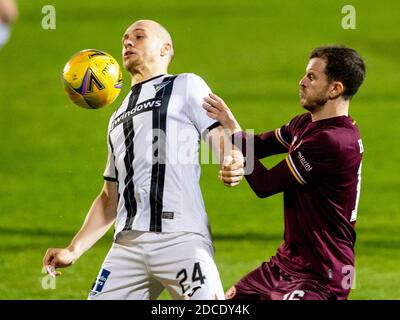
(143, 82)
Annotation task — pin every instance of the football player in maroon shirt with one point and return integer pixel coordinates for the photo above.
(319, 176)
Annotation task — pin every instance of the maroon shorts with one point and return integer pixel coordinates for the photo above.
(269, 282)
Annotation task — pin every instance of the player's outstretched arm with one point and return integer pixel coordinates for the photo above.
(265, 144)
(100, 217)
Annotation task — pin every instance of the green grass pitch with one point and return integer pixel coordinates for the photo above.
(253, 54)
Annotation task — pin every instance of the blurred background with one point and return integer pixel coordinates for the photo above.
(253, 54)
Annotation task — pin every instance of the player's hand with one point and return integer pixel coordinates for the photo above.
(217, 109)
(58, 258)
(232, 170)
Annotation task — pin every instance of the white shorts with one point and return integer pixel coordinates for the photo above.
(140, 265)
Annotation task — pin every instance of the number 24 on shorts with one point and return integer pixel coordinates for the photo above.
(197, 275)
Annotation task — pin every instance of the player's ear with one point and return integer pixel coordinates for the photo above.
(166, 49)
(336, 90)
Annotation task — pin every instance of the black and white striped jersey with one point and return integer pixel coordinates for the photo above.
(153, 151)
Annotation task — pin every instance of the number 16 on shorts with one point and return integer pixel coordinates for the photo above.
(197, 280)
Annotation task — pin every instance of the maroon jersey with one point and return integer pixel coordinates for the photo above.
(320, 178)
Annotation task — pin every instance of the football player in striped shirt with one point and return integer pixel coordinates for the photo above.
(320, 178)
(151, 190)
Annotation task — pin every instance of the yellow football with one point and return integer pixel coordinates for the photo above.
(92, 79)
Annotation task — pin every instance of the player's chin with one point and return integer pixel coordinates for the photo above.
(306, 105)
(130, 64)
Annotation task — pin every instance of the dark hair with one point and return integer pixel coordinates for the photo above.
(342, 64)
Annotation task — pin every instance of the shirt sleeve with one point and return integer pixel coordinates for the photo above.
(110, 172)
(284, 135)
(314, 158)
(197, 89)
(267, 144)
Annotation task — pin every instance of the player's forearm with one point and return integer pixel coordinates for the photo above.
(221, 144)
(98, 220)
(264, 182)
(265, 144)
(260, 181)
